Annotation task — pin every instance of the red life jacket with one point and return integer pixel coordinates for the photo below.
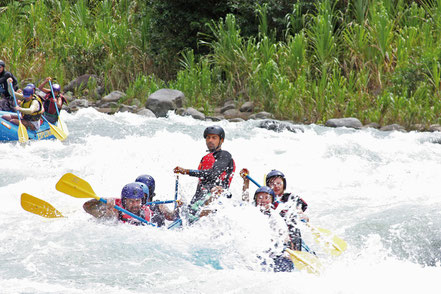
(49, 103)
(225, 177)
(145, 213)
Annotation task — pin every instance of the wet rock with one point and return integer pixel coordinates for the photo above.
(215, 118)
(194, 113)
(113, 96)
(76, 105)
(232, 113)
(107, 110)
(348, 122)
(393, 127)
(278, 126)
(373, 125)
(81, 82)
(128, 108)
(146, 112)
(237, 119)
(247, 107)
(435, 128)
(262, 115)
(164, 100)
(227, 107)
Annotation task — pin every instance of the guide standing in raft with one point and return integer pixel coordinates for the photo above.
(215, 171)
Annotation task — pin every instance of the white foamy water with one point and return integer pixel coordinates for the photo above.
(378, 191)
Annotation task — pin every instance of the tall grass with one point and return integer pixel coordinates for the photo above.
(379, 61)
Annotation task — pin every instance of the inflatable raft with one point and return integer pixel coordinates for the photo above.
(9, 131)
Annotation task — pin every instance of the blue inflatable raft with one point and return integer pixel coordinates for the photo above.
(9, 131)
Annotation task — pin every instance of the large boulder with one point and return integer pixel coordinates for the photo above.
(76, 105)
(348, 122)
(146, 112)
(81, 82)
(164, 100)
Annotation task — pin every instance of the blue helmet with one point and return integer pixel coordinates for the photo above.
(132, 191)
(56, 87)
(149, 181)
(31, 85)
(28, 91)
(265, 189)
(273, 174)
(215, 130)
(2, 63)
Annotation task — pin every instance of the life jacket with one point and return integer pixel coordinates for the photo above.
(49, 104)
(35, 116)
(145, 213)
(286, 197)
(225, 177)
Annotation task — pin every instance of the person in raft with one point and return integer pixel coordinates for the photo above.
(6, 99)
(30, 108)
(51, 113)
(264, 198)
(132, 196)
(289, 206)
(160, 212)
(215, 173)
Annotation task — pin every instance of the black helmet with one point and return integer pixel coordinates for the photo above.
(214, 130)
(273, 174)
(265, 189)
(2, 63)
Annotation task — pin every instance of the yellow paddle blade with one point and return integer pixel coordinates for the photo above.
(57, 132)
(38, 206)
(305, 261)
(330, 242)
(75, 186)
(63, 126)
(22, 133)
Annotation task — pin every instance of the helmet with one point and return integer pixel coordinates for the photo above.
(31, 85)
(275, 173)
(56, 87)
(2, 63)
(265, 189)
(215, 130)
(28, 91)
(132, 191)
(144, 187)
(149, 181)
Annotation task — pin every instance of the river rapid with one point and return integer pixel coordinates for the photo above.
(379, 191)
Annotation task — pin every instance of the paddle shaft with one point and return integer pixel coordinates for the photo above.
(176, 190)
(53, 95)
(127, 212)
(160, 202)
(252, 180)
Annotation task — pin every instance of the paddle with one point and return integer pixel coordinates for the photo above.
(79, 188)
(332, 244)
(305, 261)
(22, 132)
(60, 122)
(161, 202)
(176, 190)
(38, 206)
(56, 131)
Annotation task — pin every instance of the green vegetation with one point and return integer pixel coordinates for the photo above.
(379, 61)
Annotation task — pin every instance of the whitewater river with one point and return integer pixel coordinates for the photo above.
(378, 191)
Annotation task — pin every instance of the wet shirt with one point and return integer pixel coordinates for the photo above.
(4, 76)
(215, 169)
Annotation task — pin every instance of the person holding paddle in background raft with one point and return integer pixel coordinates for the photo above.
(31, 109)
(7, 101)
(49, 101)
(131, 199)
(160, 211)
(215, 172)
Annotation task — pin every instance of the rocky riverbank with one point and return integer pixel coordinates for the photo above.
(162, 101)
